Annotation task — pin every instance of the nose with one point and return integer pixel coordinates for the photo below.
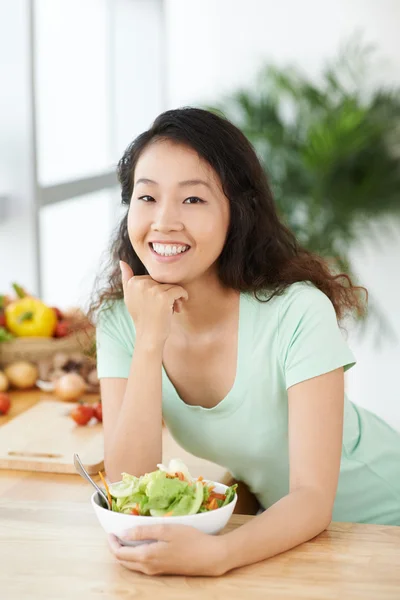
(167, 218)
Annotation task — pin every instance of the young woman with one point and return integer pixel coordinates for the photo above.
(216, 319)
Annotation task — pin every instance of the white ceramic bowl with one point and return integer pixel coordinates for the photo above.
(209, 522)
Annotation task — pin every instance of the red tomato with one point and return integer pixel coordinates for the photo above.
(5, 403)
(98, 411)
(2, 319)
(61, 330)
(58, 312)
(82, 413)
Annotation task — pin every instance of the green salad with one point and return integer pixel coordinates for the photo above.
(170, 491)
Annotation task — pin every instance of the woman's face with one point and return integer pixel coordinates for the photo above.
(179, 216)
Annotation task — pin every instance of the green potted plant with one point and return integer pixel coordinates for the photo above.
(331, 149)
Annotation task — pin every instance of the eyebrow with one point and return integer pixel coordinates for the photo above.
(186, 183)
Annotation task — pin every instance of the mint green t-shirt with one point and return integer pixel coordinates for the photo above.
(284, 341)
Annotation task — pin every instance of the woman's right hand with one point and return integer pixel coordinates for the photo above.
(151, 305)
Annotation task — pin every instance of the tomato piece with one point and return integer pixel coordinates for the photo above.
(135, 512)
(62, 329)
(58, 312)
(5, 403)
(82, 413)
(98, 411)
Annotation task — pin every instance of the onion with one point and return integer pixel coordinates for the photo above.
(4, 383)
(92, 378)
(70, 387)
(22, 374)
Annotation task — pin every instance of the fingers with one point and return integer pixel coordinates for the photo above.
(177, 306)
(126, 272)
(143, 558)
(114, 544)
(176, 293)
(151, 532)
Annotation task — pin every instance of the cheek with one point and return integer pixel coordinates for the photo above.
(136, 225)
(211, 234)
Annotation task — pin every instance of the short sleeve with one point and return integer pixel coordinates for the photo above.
(114, 341)
(310, 340)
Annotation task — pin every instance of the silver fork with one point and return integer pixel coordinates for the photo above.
(83, 473)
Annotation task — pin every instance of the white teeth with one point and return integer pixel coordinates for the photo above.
(168, 249)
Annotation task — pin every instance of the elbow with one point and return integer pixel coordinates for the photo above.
(111, 473)
(112, 467)
(324, 512)
(326, 520)
(320, 509)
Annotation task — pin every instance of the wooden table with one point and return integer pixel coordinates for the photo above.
(52, 548)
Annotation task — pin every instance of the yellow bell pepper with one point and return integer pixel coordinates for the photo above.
(30, 317)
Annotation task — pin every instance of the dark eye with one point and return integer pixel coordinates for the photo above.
(146, 198)
(193, 200)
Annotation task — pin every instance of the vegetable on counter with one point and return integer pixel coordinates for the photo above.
(62, 329)
(22, 374)
(70, 387)
(98, 411)
(85, 412)
(5, 336)
(4, 383)
(82, 413)
(28, 316)
(3, 302)
(5, 403)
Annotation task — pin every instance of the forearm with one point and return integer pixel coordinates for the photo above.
(296, 518)
(136, 445)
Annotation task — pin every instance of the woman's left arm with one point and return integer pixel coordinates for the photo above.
(315, 444)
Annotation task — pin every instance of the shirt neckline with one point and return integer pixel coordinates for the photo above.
(233, 398)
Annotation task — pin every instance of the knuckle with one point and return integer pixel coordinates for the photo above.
(154, 291)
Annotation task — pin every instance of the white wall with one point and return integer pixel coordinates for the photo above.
(216, 46)
(17, 231)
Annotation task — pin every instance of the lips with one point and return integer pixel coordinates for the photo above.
(169, 249)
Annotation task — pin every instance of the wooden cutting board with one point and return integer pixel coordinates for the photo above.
(45, 438)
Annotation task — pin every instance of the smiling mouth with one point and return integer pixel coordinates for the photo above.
(169, 249)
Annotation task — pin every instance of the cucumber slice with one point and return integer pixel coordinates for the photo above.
(198, 498)
(122, 489)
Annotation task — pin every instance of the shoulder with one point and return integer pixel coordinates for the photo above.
(290, 306)
(114, 339)
(296, 300)
(111, 310)
(303, 305)
(305, 308)
(304, 296)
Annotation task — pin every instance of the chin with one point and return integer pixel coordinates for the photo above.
(165, 277)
